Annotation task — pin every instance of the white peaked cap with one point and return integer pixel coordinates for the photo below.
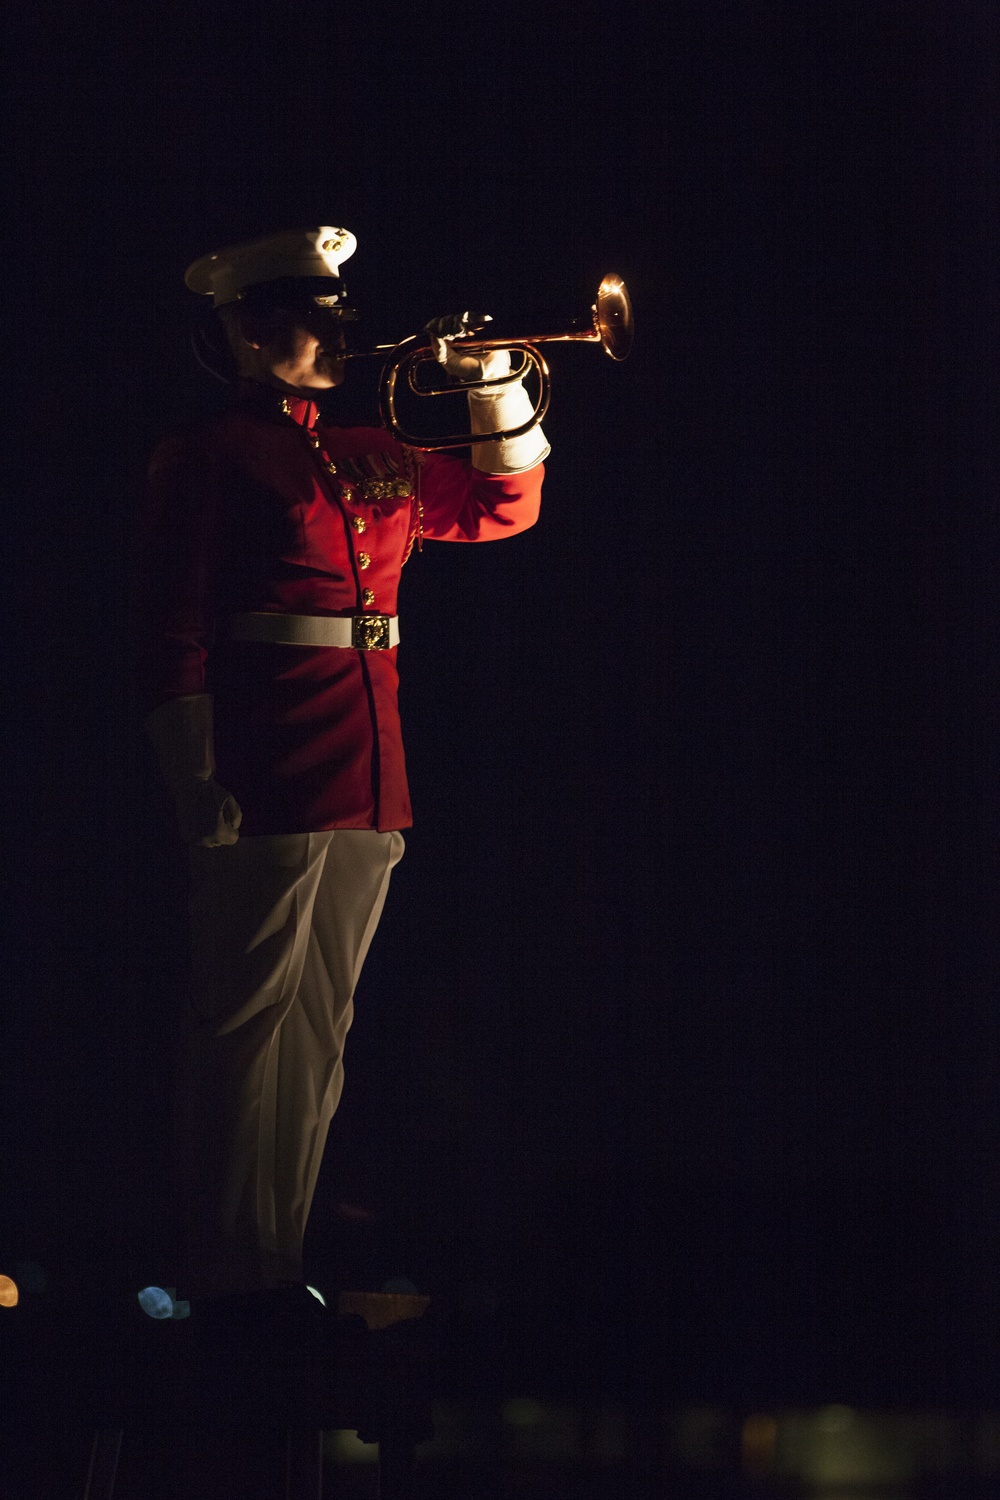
(224, 274)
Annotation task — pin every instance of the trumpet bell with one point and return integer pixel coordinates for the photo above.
(613, 317)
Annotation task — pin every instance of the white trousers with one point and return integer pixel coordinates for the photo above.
(280, 927)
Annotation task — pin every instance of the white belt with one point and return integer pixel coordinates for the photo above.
(367, 632)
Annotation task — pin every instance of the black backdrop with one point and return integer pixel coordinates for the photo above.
(678, 1035)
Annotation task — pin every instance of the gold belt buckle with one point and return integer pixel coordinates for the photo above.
(370, 632)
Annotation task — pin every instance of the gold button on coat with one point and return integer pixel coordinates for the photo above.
(359, 523)
(368, 596)
(364, 560)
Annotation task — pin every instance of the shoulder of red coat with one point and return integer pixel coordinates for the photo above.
(195, 441)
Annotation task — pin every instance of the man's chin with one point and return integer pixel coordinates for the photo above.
(318, 380)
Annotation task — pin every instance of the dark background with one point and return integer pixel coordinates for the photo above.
(677, 1044)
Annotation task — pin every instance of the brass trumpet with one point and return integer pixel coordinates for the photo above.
(609, 324)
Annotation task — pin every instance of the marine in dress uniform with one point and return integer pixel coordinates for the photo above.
(273, 551)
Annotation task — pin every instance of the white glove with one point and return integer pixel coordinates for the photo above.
(485, 364)
(182, 734)
(505, 407)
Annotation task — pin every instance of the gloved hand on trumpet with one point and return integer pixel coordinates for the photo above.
(506, 406)
(485, 364)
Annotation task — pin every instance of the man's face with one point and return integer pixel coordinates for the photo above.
(307, 351)
(303, 347)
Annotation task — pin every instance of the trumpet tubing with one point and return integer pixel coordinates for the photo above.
(609, 323)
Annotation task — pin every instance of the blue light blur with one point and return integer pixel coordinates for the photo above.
(156, 1303)
(161, 1302)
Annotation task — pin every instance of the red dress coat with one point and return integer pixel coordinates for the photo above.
(260, 509)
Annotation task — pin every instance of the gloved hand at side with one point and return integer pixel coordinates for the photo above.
(505, 407)
(182, 734)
